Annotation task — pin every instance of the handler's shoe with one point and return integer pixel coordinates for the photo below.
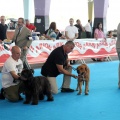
(2, 94)
(67, 90)
(20, 98)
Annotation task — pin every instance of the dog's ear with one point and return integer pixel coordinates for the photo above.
(32, 70)
(86, 69)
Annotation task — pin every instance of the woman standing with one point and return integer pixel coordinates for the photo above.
(98, 33)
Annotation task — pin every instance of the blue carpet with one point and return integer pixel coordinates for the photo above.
(102, 103)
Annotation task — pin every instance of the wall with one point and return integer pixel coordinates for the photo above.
(62, 10)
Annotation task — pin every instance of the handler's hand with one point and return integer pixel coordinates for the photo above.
(74, 76)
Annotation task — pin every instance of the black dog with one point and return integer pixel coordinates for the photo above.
(35, 87)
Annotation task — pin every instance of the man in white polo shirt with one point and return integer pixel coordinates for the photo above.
(71, 31)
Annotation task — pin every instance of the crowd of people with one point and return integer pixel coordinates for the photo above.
(72, 31)
(54, 65)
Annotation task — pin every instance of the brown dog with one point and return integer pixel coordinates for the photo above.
(83, 76)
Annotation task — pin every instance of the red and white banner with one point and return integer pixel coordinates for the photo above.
(84, 48)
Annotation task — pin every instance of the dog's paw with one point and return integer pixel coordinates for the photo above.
(50, 99)
(34, 103)
(26, 102)
(86, 94)
(41, 98)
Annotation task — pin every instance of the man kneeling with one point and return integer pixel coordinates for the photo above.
(11, 69)
(58, 63)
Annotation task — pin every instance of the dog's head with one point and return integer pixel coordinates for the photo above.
(27, 73)
(82, 69)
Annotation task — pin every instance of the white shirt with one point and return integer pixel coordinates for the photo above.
(10, 65)
(72, 30)
(88, 27)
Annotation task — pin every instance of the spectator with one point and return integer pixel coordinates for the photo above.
(88, 29)
(11, 27)
(12, 67)
(50, 33)
(80, 28)
(21, 39)
(110, 35)
(3, 29)
(57, 63)
(59, 35)
(30, 26)
(98, 33)
(71, 31)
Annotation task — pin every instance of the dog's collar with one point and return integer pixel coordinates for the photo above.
(81, 76)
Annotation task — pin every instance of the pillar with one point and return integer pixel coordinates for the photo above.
(29, 12)
(100, 12)
(90, 9)
(42, 8)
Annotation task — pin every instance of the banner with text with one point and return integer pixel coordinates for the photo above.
(84, 48)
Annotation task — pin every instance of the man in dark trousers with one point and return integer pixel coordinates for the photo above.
(80, 28)
(88, 29)
(3, 29)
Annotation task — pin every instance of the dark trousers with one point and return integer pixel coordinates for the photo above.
(88, 34)
(79, 35)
